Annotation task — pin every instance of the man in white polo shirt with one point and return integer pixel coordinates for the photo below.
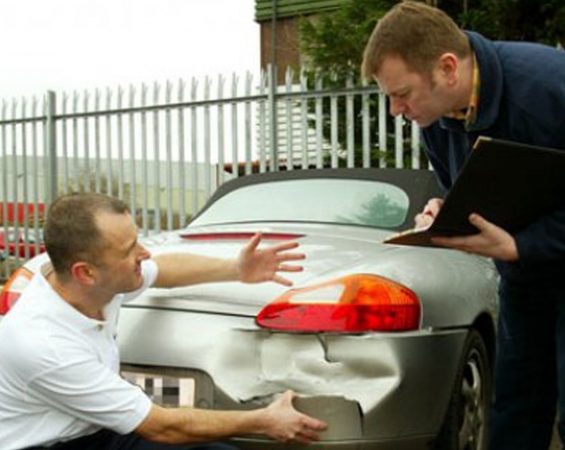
(59, 364)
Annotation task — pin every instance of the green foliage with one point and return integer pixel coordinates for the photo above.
(334, 42)
(333, 46)
(521, 20)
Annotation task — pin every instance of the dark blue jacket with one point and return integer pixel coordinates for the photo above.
(522, 98)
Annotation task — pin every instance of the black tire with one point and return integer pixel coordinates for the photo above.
(466, 424)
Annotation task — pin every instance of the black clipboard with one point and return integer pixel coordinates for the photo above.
(508, 183)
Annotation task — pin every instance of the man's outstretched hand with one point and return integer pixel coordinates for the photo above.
(255, 265)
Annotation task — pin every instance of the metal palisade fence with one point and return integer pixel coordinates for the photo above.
(164, 148)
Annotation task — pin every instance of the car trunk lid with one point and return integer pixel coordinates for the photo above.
(330, 252)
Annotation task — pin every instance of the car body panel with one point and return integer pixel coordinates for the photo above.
(249, 365)
(334, 254)
(376, 390)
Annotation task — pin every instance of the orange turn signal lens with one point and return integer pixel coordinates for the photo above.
(352, 304)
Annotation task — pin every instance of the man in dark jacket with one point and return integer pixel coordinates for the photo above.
(458, 85)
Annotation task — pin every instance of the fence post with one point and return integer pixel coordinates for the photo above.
(272, 101)
(50, 148)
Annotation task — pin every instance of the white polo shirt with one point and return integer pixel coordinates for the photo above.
(59, 370)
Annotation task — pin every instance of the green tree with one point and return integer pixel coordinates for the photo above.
(333, 44)
(522, 20)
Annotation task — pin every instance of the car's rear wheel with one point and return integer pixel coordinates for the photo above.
(466, 422)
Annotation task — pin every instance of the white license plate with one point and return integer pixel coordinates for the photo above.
(169, 391)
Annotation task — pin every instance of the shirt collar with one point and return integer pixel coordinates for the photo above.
(64, 310)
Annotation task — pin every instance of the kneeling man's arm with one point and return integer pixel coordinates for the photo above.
(254, 265)
(278, 421)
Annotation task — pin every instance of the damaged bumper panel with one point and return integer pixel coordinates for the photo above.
(375, 391)
(345, 429)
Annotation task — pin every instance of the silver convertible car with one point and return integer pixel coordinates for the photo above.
(391, 345)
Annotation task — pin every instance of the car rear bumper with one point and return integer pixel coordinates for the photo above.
(412, 443)
(375, 391)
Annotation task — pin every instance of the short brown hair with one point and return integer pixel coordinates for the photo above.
(417, 33)
(71, 233)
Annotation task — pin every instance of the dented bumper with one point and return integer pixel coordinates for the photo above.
(375, 391)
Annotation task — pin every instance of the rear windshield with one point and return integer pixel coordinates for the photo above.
(340, 201)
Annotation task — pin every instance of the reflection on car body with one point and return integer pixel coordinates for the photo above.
(391, 345)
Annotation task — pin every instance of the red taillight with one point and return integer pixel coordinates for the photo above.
(239, 235)
(13, 289)
(352, 304)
